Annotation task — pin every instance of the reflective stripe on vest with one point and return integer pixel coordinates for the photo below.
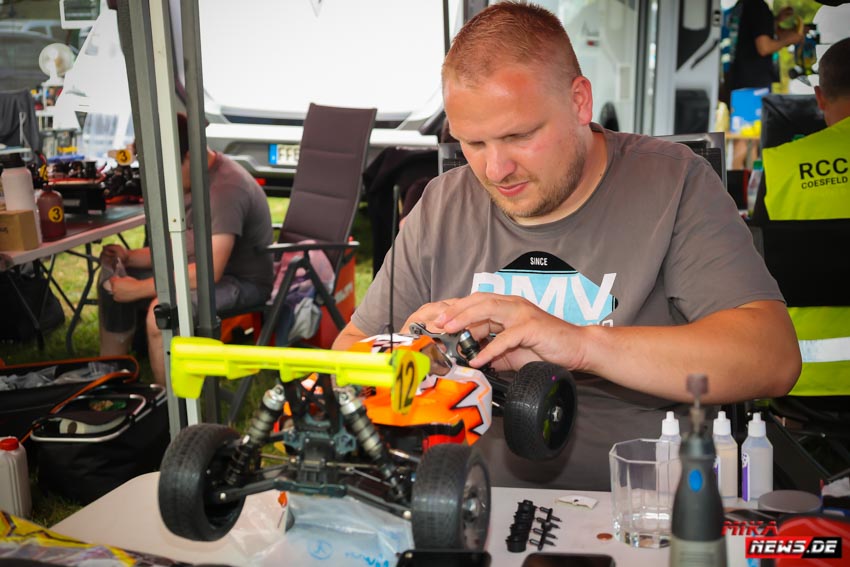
(825, 350)
(809, 179)
(824, 336)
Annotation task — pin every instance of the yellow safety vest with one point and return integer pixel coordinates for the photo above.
(809, 179)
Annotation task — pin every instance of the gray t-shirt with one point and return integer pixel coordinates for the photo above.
(238, 206)
(660, 242)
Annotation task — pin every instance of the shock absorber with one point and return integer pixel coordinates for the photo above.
(257, 435)
(469, 347)
(368, 437)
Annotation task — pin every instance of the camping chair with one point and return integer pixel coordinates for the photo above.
(326, 192)
(810, 427)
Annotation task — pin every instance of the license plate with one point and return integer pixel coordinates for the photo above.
(283, 154)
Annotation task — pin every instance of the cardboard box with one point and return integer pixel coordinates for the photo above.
(17, 230)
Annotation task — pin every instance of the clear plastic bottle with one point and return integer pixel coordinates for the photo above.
(670, 432)
(726, 462)
(668, 450)
(756, 461)
(18, 190)
(14, 478)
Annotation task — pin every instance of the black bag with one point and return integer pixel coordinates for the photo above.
(20, 407)
(101, 439)
(32, 284)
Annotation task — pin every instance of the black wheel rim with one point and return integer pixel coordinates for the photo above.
(219, 514)
(558, 414)
(475, 508)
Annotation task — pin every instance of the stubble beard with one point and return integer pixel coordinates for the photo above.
(550, 197)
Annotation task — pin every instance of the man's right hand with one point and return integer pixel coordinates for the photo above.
(427, 314)
(128, 289)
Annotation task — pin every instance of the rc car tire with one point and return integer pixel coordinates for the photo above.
(539, 411)
(195, 460)
(451, 499)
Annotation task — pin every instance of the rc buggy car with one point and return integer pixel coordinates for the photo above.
(538, 405)
(392, 429)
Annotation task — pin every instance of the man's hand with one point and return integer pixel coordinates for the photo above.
(427, 315)
(116, 251)
(784, 14)
(790, 37)
(524, 332)
(127, 289)
(653, 360)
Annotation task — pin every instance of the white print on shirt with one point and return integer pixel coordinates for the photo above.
(559, 290)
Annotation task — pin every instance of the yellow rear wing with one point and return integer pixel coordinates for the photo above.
(195, 358)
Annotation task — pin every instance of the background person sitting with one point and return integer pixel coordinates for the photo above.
(240, 223)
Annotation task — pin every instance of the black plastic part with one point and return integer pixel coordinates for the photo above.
(516, 544)
(165, 316)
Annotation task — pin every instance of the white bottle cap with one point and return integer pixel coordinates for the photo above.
(722, 425)
(756, 427)
(670, 425)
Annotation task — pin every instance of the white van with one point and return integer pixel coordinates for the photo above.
(264, 61)
(259, 82)
(275, 59)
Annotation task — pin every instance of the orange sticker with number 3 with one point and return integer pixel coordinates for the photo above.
(123, 157)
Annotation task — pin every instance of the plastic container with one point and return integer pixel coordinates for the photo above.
(51, 214)
(721, 118)
(14, 478)
(18, 190)
(668, 477)
(641, 498)
(726, 461)
(753, 186)
(670, 432)
(756, 461)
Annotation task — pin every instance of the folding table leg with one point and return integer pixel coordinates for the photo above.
(91, 268)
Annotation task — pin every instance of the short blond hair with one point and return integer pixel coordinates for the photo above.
(512, 33)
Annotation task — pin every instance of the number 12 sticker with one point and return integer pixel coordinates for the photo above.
(410, 369)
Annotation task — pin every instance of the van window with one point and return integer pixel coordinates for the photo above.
(278, 57)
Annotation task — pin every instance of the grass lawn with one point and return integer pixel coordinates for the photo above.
(70, 272)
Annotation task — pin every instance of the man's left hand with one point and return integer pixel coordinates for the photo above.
(523, 332)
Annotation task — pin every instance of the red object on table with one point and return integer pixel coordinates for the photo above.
(51, 214)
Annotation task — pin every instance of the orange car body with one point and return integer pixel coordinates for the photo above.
(458, 397)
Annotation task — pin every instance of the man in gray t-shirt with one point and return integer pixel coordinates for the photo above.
(240, 226)
(619, 257)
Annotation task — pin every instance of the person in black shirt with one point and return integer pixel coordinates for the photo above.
(758, 39)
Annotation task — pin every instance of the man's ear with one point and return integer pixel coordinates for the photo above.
(582, 99)
(820, 98)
